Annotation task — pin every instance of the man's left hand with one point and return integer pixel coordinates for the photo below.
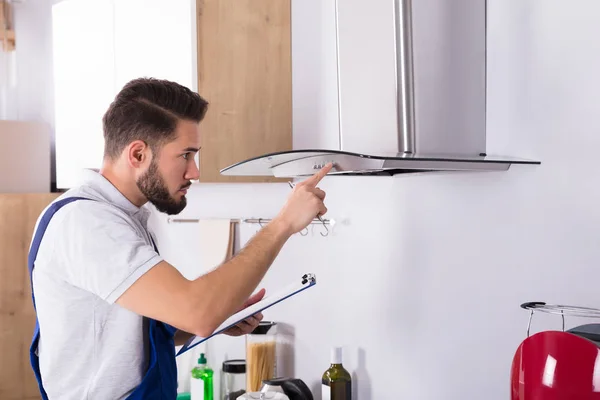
(249, 324)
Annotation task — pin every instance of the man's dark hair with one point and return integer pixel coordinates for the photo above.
(148, 109)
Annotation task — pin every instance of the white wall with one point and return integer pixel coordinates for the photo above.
(34, 97)
(423, 283)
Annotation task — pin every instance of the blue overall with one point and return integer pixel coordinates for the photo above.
(160, 380)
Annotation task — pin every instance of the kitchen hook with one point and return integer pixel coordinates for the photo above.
(324, 226)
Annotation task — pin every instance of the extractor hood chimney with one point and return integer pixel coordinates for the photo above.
(411, 93)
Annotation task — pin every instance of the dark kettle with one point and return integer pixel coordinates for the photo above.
(295, 389)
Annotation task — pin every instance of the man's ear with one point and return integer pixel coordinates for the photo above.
(138, 153)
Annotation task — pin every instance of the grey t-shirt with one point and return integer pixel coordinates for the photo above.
(91, 253)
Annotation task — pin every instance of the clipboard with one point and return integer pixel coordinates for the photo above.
(305, 282)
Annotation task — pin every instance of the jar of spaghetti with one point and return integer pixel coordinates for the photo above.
(261, 355)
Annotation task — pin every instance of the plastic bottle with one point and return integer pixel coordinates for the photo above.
(202, 380)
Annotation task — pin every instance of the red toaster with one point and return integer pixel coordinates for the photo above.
(558, 365)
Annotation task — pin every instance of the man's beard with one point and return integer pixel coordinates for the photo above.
(152, 185)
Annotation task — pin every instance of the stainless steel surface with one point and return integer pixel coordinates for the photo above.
(367, 76)
(450, 63)
(559, 309)
(337, 58)
(405, 77)
(411, 93)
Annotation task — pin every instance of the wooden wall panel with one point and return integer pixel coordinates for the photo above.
(244, 72)
(18, 214)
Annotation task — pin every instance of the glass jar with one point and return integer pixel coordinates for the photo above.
(233, 379)
(261, 355)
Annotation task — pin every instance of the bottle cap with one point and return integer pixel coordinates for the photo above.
(336, 355)
(202, 359)
(234, 366)
(263, 328)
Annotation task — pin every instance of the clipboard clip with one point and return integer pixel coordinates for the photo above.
(309, 278)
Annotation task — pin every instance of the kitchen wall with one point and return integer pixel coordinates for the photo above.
(422, 276)
(33, 97)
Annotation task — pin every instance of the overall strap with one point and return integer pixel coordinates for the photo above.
(160, 379)
(33, 252)
(39, 234)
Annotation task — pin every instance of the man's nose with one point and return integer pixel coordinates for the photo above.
(192, 173)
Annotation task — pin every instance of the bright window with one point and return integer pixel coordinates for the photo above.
(98, 46)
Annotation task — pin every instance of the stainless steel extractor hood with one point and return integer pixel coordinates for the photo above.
(411, 93)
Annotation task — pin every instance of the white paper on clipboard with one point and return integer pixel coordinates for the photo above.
(305, 282)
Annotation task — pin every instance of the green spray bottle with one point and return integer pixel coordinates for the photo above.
(202, 380)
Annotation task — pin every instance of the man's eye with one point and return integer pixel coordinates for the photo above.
(186, 156)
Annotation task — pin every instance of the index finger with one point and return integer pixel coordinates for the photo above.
(316, 178)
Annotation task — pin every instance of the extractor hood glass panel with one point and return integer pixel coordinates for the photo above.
(306, 162)
(261, 166)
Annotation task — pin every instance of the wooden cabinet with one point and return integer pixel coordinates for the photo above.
(244, 72)
(18, 214)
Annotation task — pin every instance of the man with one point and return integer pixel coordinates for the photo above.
(108, 305)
